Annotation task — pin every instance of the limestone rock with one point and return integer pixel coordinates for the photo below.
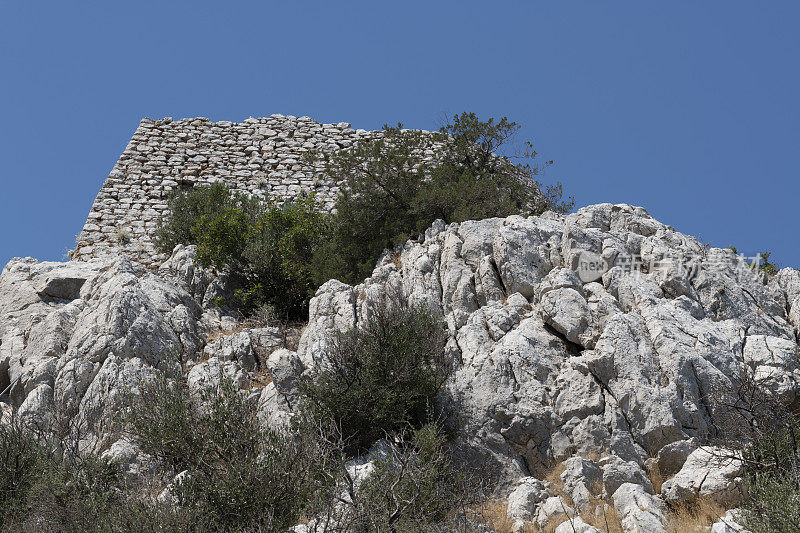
(548, 363)
(708, 472)
(210, 375)
(638, 510)
(128, 456)
(528, 493)
(576, 525)
(672, 457)
(582, 480)
(617, 472)
(729, 523)
(553, 510)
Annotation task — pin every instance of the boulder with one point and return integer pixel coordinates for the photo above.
(729, 523)
(617, 472)
(549, 362)
(639, 510)
(553, 510)
(524, 499)
(671, 458)
(576, 525)
(582, 480)
(709, 472)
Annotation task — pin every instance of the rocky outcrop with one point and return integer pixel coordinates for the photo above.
(594, 339)
(552, 365)
(712, 473)
(600, 334)
(75, 337)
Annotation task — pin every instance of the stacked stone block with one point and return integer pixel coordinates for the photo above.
(260, 156)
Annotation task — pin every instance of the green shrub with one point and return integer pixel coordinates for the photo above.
(187, 208)
(380, 377)
(764, 264)
(754, 419)
(390, 193)
(238, 474)
(772, 478)
(23, 461)
(265, 249)
(773, 504)
(162, 417)
(44, 488)
(414, 488)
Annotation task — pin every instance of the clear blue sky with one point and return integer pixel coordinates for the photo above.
(687, 108)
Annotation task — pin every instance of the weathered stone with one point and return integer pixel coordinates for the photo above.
(576, 525)
(528, 493)
(708, 472)
(638, 510)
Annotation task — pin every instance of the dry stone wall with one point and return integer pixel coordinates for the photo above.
(260, 156)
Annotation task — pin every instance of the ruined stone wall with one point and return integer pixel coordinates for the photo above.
(260, 156)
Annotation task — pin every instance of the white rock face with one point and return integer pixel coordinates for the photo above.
(638, 510)
(524, 500)
(729, 523)
(558, 365)
(710, 472)
(582, 480)
(576, 525)
(599, 334)
(553, 511)
(75, 337)
(672, 457)
(128, 455)
(617, 472)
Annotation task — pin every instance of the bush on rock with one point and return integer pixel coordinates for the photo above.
(266, 249)
(381, 377)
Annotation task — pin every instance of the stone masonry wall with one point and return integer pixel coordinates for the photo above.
(260, 156)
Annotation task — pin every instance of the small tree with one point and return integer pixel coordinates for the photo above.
(763, 430)
(266, 249)
(238, 475)
(764, 265)
(414, 487)
(188, 208)
(380, 378)
(392, 190)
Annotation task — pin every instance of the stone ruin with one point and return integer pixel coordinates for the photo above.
(260, 156)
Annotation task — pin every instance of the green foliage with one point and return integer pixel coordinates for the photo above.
(278, 256)
(237, 474)
(413, 488)
(161, 417)
(265, 249)
(22, 462)
(390, 193)
(773, 505)
(764, 264)
(187, 208)
(44, 488)
(773, 479)
(755, 419)
(381, 377)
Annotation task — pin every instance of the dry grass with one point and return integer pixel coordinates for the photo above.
(656, 478)
(493, 514)
(696, 515)
(553, 476)
(261, 379)
(603, 516)
(397, 260)
(216, 334)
